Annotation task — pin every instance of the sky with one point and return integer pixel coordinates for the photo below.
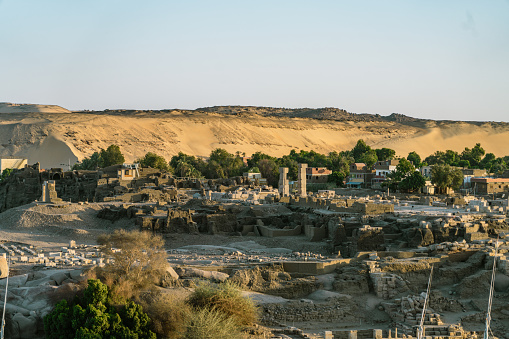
(430, 59)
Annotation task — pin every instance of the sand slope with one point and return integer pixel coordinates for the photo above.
(54, 139)
(6, 107)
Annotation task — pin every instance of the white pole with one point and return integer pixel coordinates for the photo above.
(2, 332)
(420, 330)
(492, 285)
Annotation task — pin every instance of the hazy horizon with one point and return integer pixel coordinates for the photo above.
(431, 60)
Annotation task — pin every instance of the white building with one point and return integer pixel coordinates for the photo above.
(13, 163)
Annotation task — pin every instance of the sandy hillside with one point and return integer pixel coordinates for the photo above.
(54, 139)
(6, 107)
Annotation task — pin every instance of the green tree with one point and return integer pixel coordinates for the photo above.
(364, 153)
(445, 176)
(473, 155)
(89, 164)
(385, 154)
(111, 156)
(94, 316)
(487, 161)
(5, 173)
(414, 158)
(224, 165)
(338, 178)
(269, 170)
(412, 182)
(155, 161)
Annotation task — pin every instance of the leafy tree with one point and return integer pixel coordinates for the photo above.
(340, 162)
(448, 157)
(445, 176)
(385, 154)
(464, 163)
(104, 158)
(224, 165)
(412, 182)
(89, 164)
(498, 166)
(338, 178)
(359, 149)
(155, 161)
(364, 153)
(5, 173)
(473, 155)
(404, 169)
(94, 316)
(141, 255)
(414, 158)
(269, 170)
(487, 161)
(111, 156)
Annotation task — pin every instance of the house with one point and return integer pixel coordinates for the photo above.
(382, 169)
(360, 175)
(12, 163)
(128, 171)
(253, 178)
(315, 175)
(469, 173)
(489, 185)
(425, 171)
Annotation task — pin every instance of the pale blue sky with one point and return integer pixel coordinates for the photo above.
(440, 59)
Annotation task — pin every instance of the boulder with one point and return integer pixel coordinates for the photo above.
(191, 272)
(501, 282)
(171, 272)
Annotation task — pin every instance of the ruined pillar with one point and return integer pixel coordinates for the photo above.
(352, 334)
(284, 187)
(328, 335)
(302, 180)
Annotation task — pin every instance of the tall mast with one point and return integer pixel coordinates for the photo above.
(420, 330)
(490, 300)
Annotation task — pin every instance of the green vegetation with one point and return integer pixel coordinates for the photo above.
(5, 173)
(155, 161)
(445, 176)
(106, 157)
(94, 315)
(222, 164)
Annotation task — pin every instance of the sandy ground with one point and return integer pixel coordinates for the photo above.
(54, 138)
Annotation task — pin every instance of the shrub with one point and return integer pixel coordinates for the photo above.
(94, 316)
(139, 263)
(227, 299)
(211, 324)
(169, 315)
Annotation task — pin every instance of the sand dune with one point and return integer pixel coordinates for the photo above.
(55, 139)
(6, 107)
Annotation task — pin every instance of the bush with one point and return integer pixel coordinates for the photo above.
(211, 324)
(169, 315)
(140, 262)
(227, 299)
(94, 316)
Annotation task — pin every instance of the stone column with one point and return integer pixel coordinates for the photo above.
(284, 188)
(302, 180)
(352, 334)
